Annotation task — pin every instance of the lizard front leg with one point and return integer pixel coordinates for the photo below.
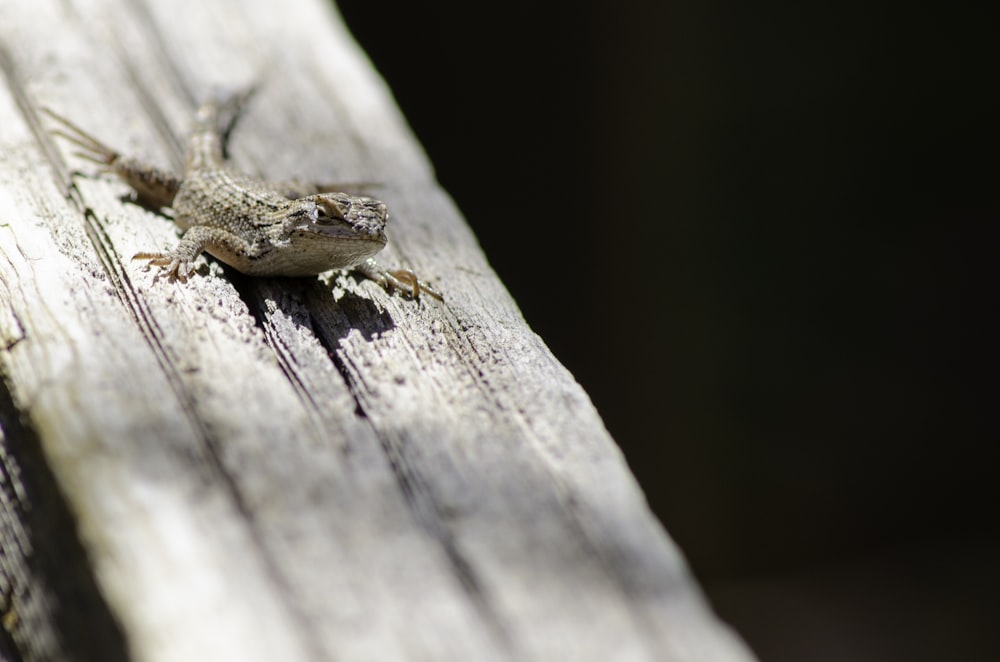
(179, 263)
(403, 280)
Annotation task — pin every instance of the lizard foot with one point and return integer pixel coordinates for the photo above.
(93, 149)
(174, 267)
(403, 280)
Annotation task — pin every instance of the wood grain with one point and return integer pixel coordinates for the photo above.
(279, 469)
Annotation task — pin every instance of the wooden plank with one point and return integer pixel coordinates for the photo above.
(286, 469)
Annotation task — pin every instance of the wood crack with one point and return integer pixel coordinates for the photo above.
(423, 507)
(30, 114)
(144, 319)
(335, 474)
(54, 609)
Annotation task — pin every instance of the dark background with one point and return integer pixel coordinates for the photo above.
(760, 235)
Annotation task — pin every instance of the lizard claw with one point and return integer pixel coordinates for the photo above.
(407, 281)
(402, 280)
(93, 149)
(174, 267)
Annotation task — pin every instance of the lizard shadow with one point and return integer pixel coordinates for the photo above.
(337, 311)
(142, 202)
(328, 312)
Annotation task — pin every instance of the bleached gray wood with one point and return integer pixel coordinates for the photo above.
(238, 469)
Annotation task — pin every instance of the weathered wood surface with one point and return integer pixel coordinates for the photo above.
(238, 469)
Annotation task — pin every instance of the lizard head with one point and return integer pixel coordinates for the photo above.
(336, 230)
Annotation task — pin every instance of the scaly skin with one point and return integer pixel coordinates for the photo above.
(247, 223)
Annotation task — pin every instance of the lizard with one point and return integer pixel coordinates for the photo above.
(258, 228)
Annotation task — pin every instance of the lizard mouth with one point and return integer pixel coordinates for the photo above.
(351, 217)
(367, 231)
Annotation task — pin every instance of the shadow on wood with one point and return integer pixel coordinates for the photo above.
(278, 469)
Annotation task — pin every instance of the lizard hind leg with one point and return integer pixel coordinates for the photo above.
(154, 187)
(94, 149)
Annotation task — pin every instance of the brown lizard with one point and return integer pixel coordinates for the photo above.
(257, 228)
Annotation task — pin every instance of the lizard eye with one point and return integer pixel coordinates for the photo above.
(328, 211)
